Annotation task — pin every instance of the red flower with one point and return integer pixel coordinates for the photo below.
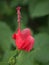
(24, 40)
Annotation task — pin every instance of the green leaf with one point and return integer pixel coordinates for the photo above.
(8, 56)
(38, 8)
(41, 39)
(3, 63)
(12, 59)
(42, 47)
(25, 58)
(5, 36)
(42, 54)
(5, 41)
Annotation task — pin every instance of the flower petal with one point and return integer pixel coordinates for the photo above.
(29, 43)
(25, 33)
(14, 36)
(19, 42)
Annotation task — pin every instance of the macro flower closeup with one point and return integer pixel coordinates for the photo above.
(24, 32)
(23, 39)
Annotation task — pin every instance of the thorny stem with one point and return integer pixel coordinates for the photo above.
(18, 16)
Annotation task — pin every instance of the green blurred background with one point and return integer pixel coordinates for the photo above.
(35, 15)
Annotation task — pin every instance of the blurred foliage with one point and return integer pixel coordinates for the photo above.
(35, 15)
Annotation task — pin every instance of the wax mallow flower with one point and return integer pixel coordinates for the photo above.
(23, 38)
